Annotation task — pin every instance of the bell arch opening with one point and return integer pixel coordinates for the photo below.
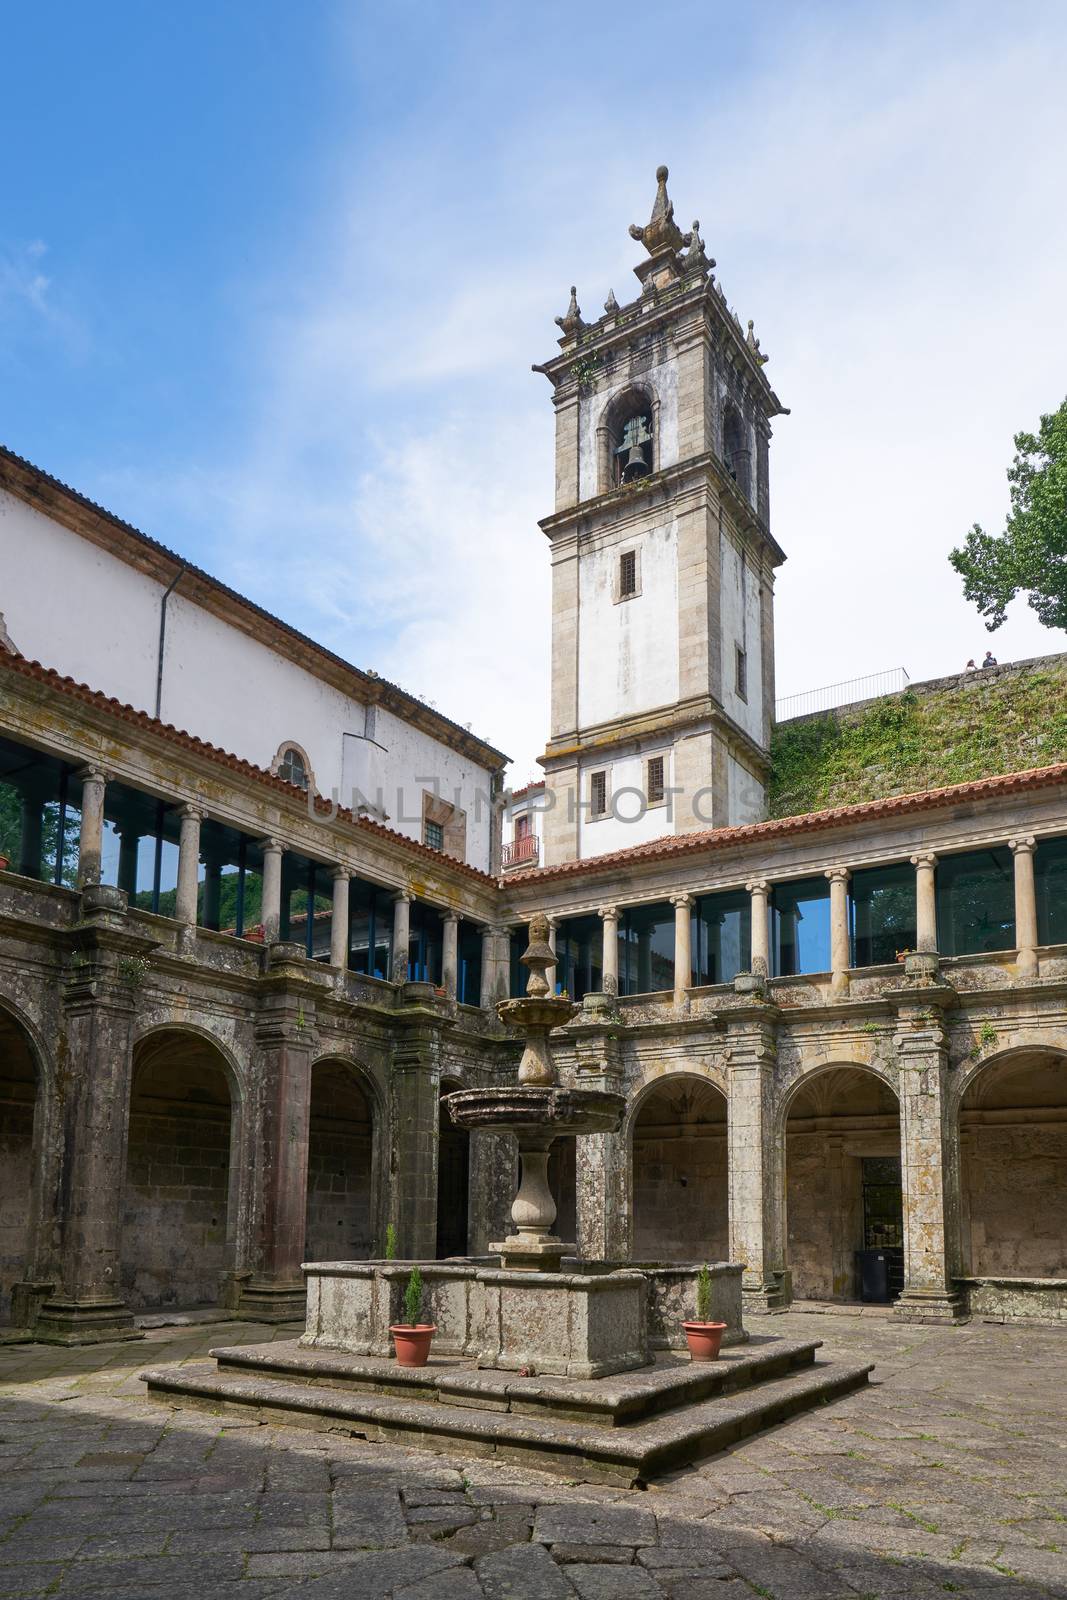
(1013, 1168)
(627, 439)
(453, 1182)
(19, 1098)
(844, 1204)
(340, 1204)
(680, 1182)
(178, 1216)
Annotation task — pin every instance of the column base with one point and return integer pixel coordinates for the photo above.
(27, 1298)
(930, 1305)
(72, 1322)
(769, 1298)
(521, 1252)
(264, 1301)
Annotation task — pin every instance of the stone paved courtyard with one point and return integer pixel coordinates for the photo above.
(948, 1476)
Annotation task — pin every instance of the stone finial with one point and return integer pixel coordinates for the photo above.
(611, 305)
(571, 322)
(539, 956)
(660, 232)
(753, 344)
(6, 642)
(695, 258)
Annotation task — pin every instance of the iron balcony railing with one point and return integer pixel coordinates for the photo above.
(521, 852)
(841, 694)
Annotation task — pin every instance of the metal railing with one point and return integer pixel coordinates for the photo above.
(891, 681)
(520, 852)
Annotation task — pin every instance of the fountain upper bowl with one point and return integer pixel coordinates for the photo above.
(534, 1108)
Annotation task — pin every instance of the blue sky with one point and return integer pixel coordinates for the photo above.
(272, 278)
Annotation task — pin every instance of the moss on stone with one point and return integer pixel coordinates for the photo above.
(952, 730)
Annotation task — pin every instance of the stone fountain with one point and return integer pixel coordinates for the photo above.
(537, 1111)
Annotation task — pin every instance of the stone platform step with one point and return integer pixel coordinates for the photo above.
(624, 1455)
(619, 1401)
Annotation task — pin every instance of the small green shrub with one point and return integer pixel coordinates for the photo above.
(704, 1294)
(413, 1298)
(390, 1243)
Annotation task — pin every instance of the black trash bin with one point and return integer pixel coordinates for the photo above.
(872, 1269)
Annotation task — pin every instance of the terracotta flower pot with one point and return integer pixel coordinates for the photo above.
(704, 1339)
(412, 1344)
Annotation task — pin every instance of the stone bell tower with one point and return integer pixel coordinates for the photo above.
(662, 560)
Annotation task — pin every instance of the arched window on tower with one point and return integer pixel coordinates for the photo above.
(735, 448)
(626, 440)
(291, 764)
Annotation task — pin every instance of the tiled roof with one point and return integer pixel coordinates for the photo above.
(190, 567)
(808, 822)
(236, 764)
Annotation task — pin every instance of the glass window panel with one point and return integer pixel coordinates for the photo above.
(39, 815)
(370, 933)
(1050, 883)
(425, 944)
(800, 927)
(579, 953)
(975, 903)
(882, 913)
(646, 956)
(722, 937)
(517, 972)
(223, 852)
(469, 974)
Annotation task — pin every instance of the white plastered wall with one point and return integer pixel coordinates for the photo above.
(628, 649)
(629, 821)
(740, 622)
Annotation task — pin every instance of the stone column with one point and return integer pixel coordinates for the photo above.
(129, 845)
(929, 1157)
(100, 1005)
(755, 1158)
(487, 995)
(683, 945)
(609, 963)
(601, 1159)
(1022, 848)
(839, 942)
(401, 935)
(450, 953)
(415, 1092)
(91, 842)
(759, 889)
(925, 902)
(188, 865)
(339, 920)
(271, 911)
(286, 1043)
(31, 835)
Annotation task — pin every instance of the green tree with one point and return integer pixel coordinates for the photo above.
(1030, 556)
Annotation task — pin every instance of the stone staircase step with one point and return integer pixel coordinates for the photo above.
(623, 1455)
(671, 1382)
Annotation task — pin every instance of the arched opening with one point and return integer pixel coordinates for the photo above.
(18, 1108)
(178, 1218)
(563, 1182)
(736, 448)
(453, 1182)
(844, 1208)
(626, 438)
(679, 1165)
(340, 1213)
(1013, 1168)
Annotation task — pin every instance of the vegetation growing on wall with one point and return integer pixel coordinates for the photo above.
(958, 729)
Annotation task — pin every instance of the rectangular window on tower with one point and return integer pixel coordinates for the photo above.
(740, 673)
(598, 794)
(654, 784)
(627, 574)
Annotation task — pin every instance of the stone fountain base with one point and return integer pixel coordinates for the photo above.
(590, 1321)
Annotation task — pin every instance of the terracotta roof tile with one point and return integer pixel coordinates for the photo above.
(245, 769)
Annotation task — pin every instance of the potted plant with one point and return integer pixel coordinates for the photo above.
(411, 1339)
(703, 1336)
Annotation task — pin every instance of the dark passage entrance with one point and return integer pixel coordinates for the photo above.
(453, 1183)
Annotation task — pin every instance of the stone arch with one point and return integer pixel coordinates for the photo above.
(182, 1197)
(737, 445)
(453, 1178)
(1012, 1118)
(344, 1155)
(25, 1115)
(628, 402)
(677, 1166)
(840, 1173)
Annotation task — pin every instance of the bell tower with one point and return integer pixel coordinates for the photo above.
(662, 560)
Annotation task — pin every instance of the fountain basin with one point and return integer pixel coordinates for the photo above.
(544, 1111)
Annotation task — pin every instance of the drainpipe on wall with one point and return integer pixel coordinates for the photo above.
(163, 635)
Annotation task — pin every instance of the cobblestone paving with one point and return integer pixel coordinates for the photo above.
(949, 1476)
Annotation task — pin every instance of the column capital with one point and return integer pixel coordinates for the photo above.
(448, 915)
(93, 773)
(758, 885)
(838, 874)
(924, 858)
(678, 900)
(1023, 844)
(339, 870)
(271, 846)
(608, 913)
(402, 895)
(190, 811)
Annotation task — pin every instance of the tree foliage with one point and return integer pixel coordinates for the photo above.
(1030, 556)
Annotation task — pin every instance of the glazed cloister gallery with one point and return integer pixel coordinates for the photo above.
(246, 960)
